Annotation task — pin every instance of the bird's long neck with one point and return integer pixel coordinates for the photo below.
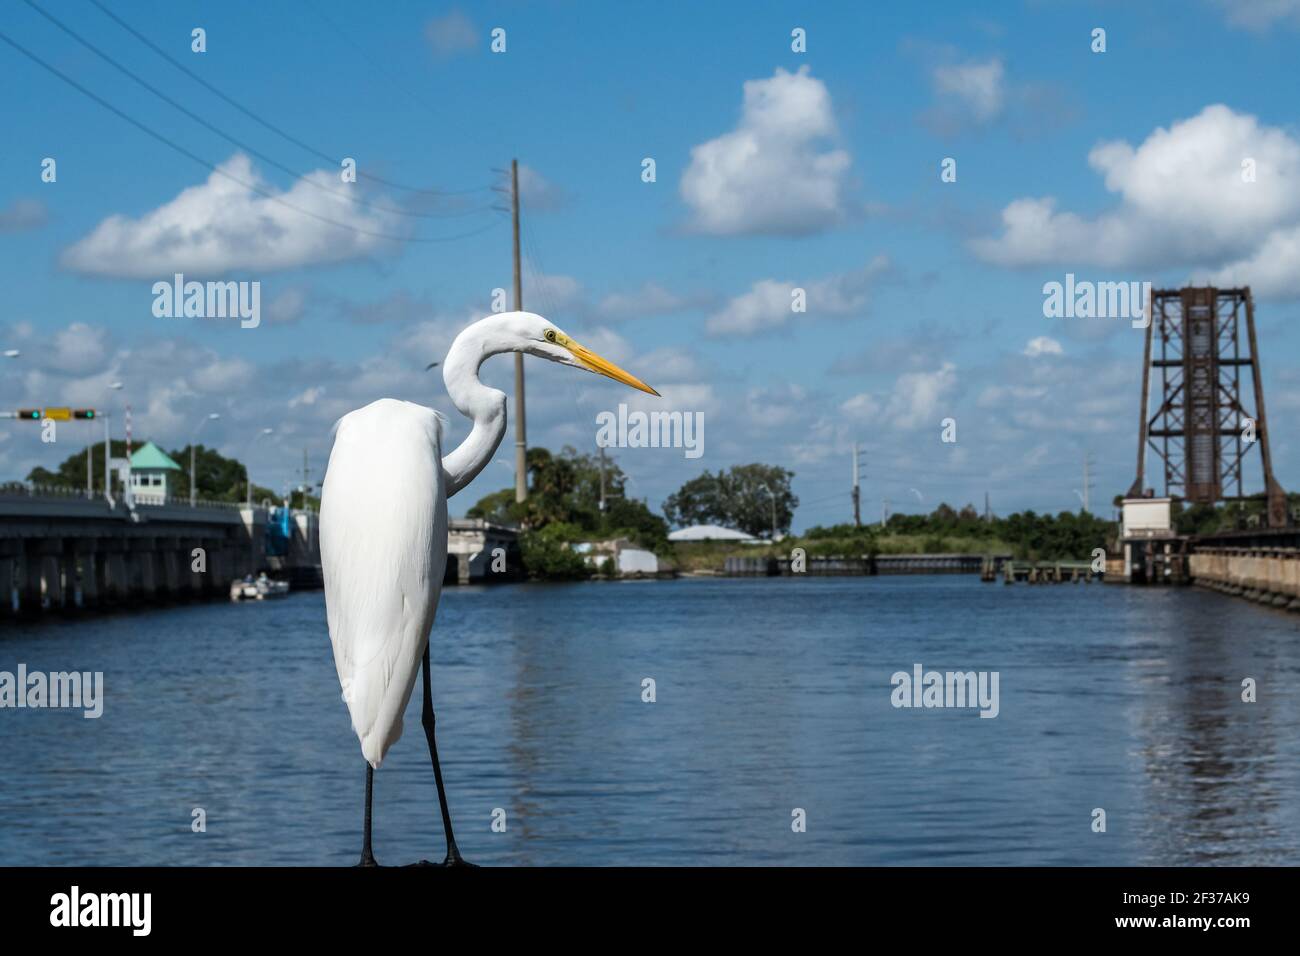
(484, 406)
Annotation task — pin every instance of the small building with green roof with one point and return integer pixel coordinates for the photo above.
(150, 468)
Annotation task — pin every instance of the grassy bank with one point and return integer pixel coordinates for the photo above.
(712, 555)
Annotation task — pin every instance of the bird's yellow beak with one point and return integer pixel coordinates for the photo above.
(602, 366)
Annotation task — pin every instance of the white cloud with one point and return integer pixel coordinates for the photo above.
(22, 215)
(451, 34)
(978, 88)
(308, 396)
(1043, 345)
(1260, 14)
(223, 375)
(1182, 203)
(916, 399)
(222, 225)
(649, 300)
(287, 307)
(537, 193)
(769, 176)
(768, 305)
(79, 348)
(1271, 270)
(559, 293)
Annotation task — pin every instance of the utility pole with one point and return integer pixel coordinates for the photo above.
(602, 479)
(987, 515)
(108, 466)
(1087, 481)
(306, 473)
(857, 511)
(521, 428)
(884, 513)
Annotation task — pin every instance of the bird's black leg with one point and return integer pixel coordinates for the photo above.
(367, 857)
(453, 854)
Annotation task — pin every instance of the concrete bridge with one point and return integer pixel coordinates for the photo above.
(60, 550)
(1261, 565)
(472, 544)
(63, 551)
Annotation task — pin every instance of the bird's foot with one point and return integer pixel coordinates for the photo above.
(453, 860)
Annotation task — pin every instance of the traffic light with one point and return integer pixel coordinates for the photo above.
(84, 413)
(33, 414)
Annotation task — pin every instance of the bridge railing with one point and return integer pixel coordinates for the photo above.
(183, 501)
(31, 489)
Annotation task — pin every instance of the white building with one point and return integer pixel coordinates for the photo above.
(711, 532)
(153, 475)
(627, 558)
(1144, 520)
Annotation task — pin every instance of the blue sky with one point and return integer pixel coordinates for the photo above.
(774, 170)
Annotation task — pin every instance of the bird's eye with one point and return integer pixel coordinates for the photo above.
(550, 335)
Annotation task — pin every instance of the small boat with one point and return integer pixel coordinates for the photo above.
(257, 589)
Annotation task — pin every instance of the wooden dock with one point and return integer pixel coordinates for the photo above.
(1046, 572)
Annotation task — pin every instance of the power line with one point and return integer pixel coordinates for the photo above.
(221, 172)
(320, 154)
(534, 258)
(210, 127)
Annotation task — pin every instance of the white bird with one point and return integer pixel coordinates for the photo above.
(383, 531)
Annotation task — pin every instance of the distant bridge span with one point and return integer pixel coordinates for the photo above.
(62, 550)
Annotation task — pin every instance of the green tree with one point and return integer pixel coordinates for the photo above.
(219, 478)
(564, 489)
(742, 497)
(547, 553)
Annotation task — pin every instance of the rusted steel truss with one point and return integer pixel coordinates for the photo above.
(1205, 424)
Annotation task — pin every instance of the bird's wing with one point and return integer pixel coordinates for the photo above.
(383, 538)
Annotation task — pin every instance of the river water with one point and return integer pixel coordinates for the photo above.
(772, 696)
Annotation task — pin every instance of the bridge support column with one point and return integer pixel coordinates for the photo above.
(29, 604)
(142, 569)
(10, 555)
(51, 581)
(114, 582)
(68, 562)
(462, 568)
(195, 582)
(218, 576)
(8, 596)
(89, 572)
(171, 572)
(42, 576)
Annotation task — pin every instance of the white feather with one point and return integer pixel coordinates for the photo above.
(383, 538)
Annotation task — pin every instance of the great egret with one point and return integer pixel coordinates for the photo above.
(383, 531)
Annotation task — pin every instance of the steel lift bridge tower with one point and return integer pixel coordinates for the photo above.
(1203, 427)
